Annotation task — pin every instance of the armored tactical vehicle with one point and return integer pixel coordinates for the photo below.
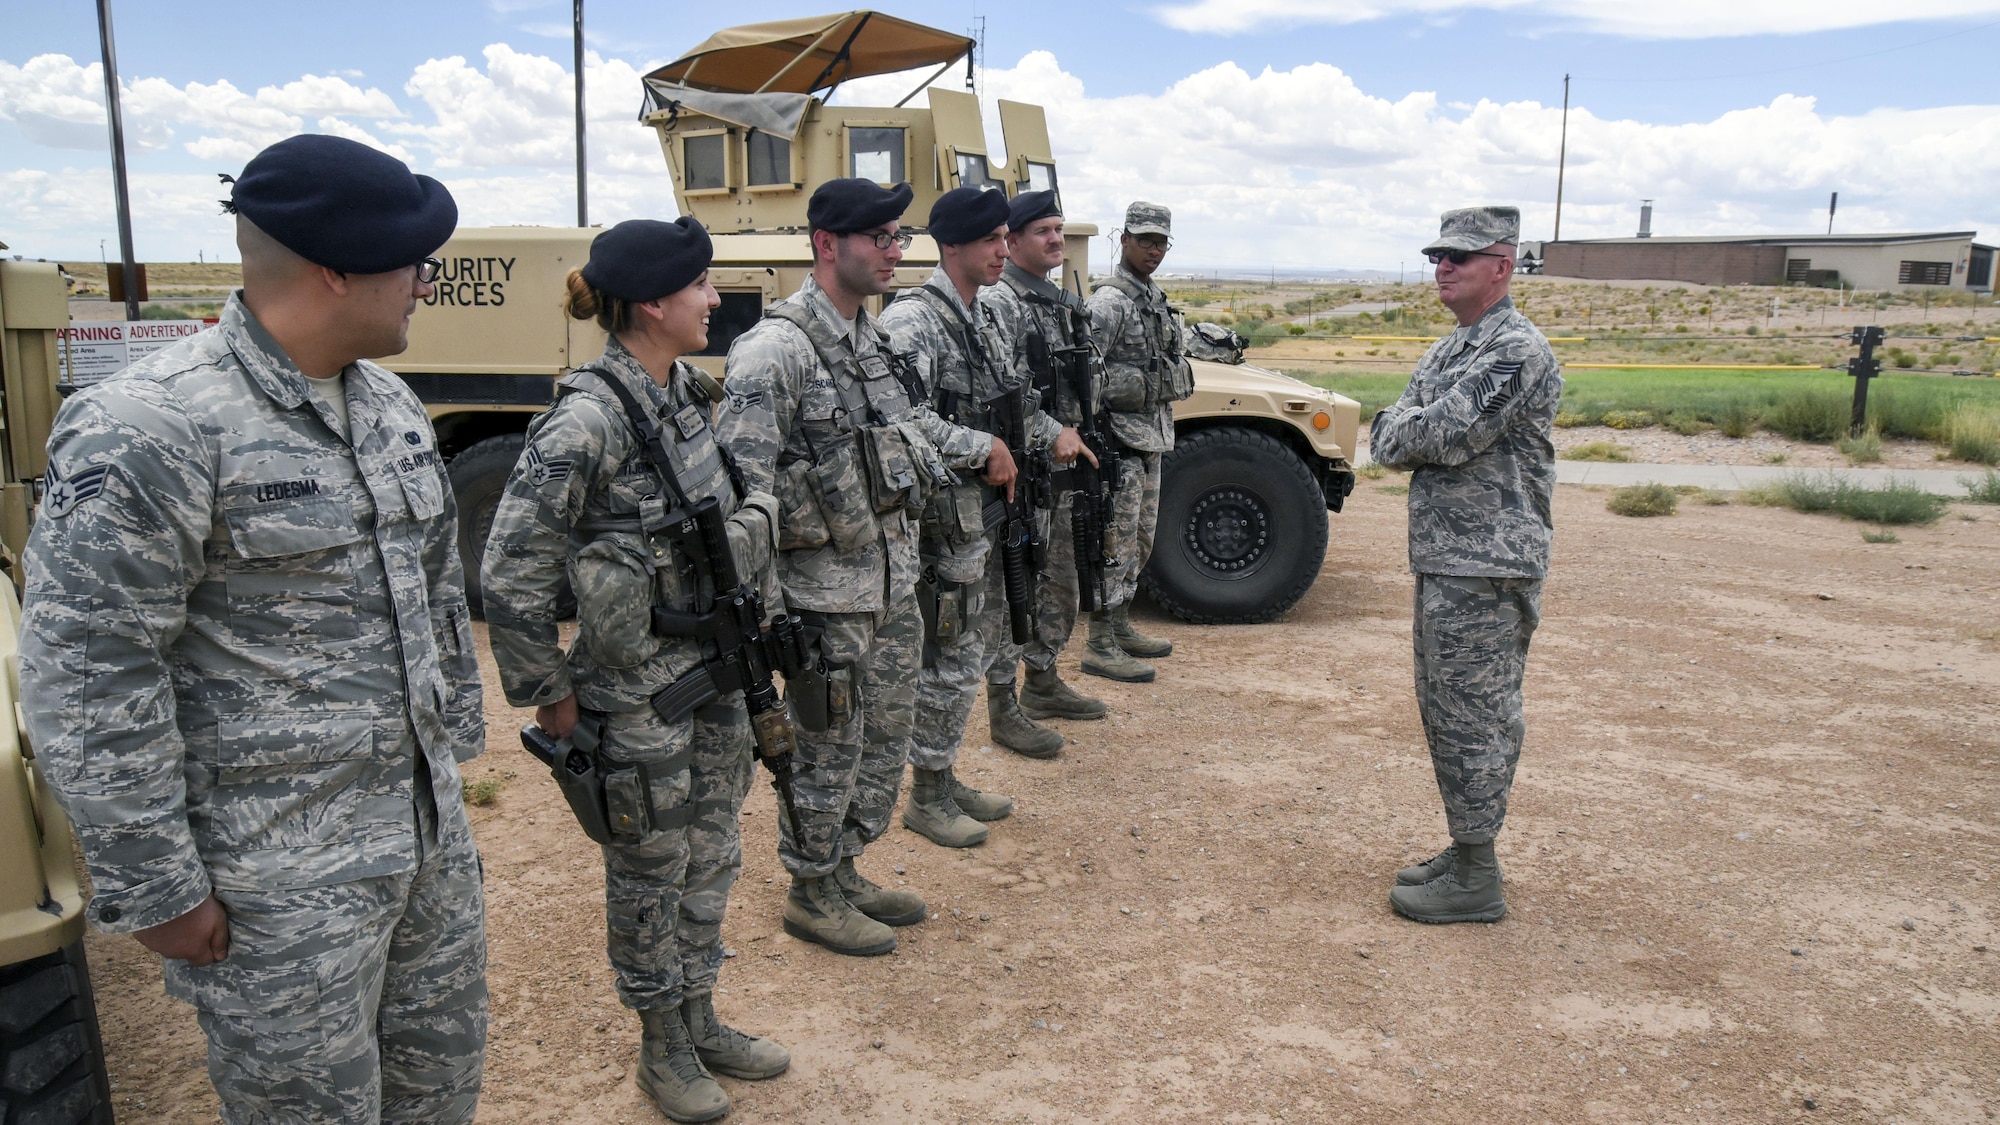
(747, 130)
(51, 1061)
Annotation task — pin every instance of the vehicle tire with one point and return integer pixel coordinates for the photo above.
(1242, 529)
(51, 1057)
(478, 477)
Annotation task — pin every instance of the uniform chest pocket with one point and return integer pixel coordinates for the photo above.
(425, 494)
(292, 579)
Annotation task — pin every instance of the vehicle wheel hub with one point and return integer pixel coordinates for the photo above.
(1229, 530)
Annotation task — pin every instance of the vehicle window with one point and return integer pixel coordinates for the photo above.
(973, 172)
(1041, 177)
(735, 316)
(770, 159)
(876, 154)
(706, 159)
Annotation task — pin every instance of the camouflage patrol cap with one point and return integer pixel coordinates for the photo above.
(1148, 218)
(1476, 228)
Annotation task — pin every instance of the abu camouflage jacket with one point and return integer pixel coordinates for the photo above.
(1145, 359)
(584, 500)
(1473, 427)
(239, 622)
(795, 424)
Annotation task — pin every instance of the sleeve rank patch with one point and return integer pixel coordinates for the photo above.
(739, 401)
(61, 495)
(542, 470)
(1498, 386)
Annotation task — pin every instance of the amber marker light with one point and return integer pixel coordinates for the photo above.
(1322, 420)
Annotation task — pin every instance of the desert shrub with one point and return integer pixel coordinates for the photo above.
(1973, 433)
(1687, 425)
(1644, 500)
(1809, 414)
(1897, 357)
(1628, 419)
(484, 791)
(1295, 329)
(1598, 451)
(1713, 497)
(1373, 470)
(1908, 412)
(1566, 419)
(1861, 450)
(1982, 489)
(1884, 536)
(1893, 503)
(1736, 419)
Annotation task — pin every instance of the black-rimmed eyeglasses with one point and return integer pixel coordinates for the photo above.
(1458, 257)
(1153, 241)
(883, 239)
(429, 269)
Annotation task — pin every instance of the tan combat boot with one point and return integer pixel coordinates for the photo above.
(1132, 640)
(1015, 730)
(725, 1050)
(930, 812)
(671, 1074)
(1104, 657)
(1046, 696)
(1419, 874)
(889, 907)
(979, 806)
(817, 912)
(1469, 892)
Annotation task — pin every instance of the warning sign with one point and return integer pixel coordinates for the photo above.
(93, 350)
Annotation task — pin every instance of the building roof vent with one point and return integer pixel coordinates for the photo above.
(1645, 218)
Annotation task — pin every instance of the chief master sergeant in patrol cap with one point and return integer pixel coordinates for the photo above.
(1145, 372)
(817, 415)
(246, 632)
(1473, 428)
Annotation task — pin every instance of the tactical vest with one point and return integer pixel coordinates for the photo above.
(1169, 379)
(966, 406)
(843, 474)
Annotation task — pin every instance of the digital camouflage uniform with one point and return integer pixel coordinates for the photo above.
(1145, 372)
(958, 556)
(1473, 428)
(574, 505)
(246, 635)
(795, 425)
(1027, 306)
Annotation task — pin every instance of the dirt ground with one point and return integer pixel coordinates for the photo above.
(1749, 867)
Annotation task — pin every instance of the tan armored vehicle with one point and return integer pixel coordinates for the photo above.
(744, 124)
(51, 1062)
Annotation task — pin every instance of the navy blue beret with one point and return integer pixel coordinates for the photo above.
(964, 214)
(340, 204)
(845, 206)
(646, 259)
(1031, 205)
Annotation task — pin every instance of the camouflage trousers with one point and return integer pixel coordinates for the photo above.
(1055, 603)
(665, 892)
(1135, 514)
(846, 778)
(948, 685)
(1471, 640)
(351, 1002)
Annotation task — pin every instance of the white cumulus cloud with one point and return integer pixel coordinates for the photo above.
(1297, 168)
(1690, 19)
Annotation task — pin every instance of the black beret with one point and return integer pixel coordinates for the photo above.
(646, 259)
(1031, 205)
(967, 213)
(845, 206)
(340, 204)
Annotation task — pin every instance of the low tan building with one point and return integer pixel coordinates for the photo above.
(1938, 259)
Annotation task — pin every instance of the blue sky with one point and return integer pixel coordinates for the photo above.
(1737, 117)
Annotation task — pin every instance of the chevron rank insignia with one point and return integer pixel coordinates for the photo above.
(542, 470)
(61, 495)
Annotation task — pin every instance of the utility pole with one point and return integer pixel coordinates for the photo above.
(582, 190)
(127, 265)
(1562, 161)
